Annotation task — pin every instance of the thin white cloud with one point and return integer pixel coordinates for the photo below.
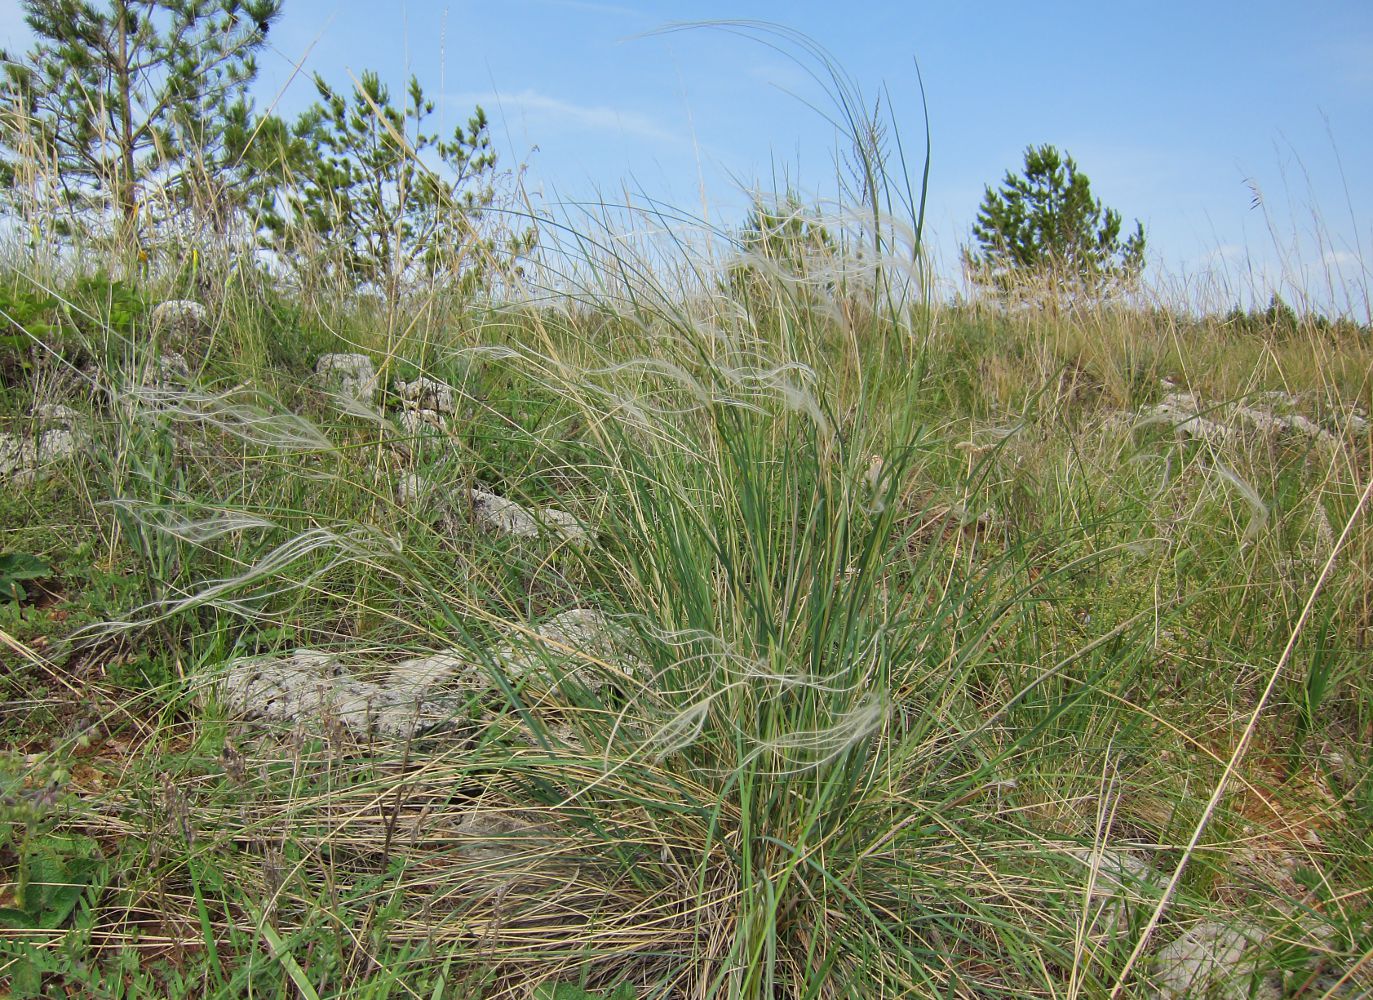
(554, 110)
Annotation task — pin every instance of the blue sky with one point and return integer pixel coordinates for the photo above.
(1174, 110)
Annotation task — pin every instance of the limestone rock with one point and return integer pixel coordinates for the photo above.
(582, 638)
(1216, 961)
(1116, 882)
(413, 489)
(1192, 417)
(350, 376)
(55, 416)
(506, 517)
(421, 422)
(16, 456)
(311, 688)
(500, 841)
(426, 394)
(181, 321)
(423, 673)
(58, 444)
(23, 458)
(493, 512)
(172, 367)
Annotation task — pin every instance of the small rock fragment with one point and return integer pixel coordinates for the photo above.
(310, 688)
(1116, 881)
(22, 458)
(1191, 417)
(421, 421)
(506, 517)
(181, 321)
(412, 489)
(55, 415)
(350, 376)
(16, 456)
(172, 367)
(1213, 960)
(583, 638)
(426, 394)
(422, 673)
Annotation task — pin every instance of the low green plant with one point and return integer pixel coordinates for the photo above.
(49, 871)
(15, 568)
(27, 317)
(54, 872)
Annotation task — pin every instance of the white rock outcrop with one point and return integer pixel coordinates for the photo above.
(426, 404)
(56, 415)
(580, 645)
(420, 694)
(414, 422)
(1216, 961)
(1115, 883)
(312, 688)
(1219, 424)
(57, 438)
(350, 376)
(16, 457)
(491, 511)
(426, 394)
(420, 674)
(181, 321)
(506, 517)
(412, 489)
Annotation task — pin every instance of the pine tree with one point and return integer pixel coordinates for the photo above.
(128, 95)
(784, 240)
(1044, 226)
(370, 190)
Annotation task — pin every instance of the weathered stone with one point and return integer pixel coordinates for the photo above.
(580, 641)
(311, 688)
(1220, 424)
(506, 517)
(1216, 961)
(1117, 883)
(494, 513)
(1183, 410)
(564, 526)
(421, 422)
(419, 674)
(166, 373)
(55, 415)
(350, 376)
(172, 367)
(413, 489)
(21, 458)
(16, 456)
(426, 394)
(58, 445)
(181, 321)
(496, 837)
